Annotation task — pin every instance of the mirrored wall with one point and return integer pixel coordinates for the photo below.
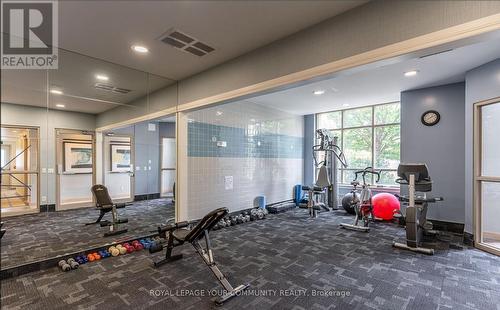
(66, 130)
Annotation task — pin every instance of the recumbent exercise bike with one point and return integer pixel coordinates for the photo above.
(416, 176)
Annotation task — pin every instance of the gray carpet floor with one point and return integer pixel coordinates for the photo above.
(287, 259)
(38, 236)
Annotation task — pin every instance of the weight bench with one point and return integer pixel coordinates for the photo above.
(104, 204)
(176, 235)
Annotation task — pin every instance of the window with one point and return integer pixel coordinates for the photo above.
(369, 136)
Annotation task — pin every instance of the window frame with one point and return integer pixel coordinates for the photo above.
(372, 127)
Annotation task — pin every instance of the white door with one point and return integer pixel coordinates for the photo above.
(118, 167)
(487, 176)
(75, 168)
(168, 163)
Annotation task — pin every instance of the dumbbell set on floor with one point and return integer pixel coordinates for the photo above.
(119, 249)
(246, 216)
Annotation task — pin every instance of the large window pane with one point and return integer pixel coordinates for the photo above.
(330, 120)
(388, 178)
(387, 113)
(358, 147)
(358, 117)
(490, 145)
(387, 147)
(490, 208)
(350, 174)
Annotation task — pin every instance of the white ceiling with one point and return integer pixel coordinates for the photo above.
(107, 29)
(76, 77)
(383, 83)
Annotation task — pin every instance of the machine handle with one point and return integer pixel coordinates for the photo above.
(365, 171)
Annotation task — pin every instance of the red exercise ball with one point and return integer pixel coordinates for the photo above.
(384, 205)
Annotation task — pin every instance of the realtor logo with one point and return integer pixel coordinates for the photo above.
(29, 35)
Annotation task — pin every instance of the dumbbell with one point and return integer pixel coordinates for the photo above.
(103, 253)
(247, 218)
(91, 257)
(260, 214)
(73, 263)
(113, 251)
(137, 245)
(155, 247)
(222, 223)
(234, 220)
(80, 259)
(145, 243)
(64, 265)
(128, 247)
(216, 226)
(121, 249)
(239, 219)
(96, 256)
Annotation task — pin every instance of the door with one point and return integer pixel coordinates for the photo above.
(168, 163)
(118, 167)
(19, 162)
(75, 162)
(487, 175)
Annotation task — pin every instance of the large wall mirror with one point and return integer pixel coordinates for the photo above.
(67, 131)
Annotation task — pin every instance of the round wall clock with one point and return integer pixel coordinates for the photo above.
(430, 118)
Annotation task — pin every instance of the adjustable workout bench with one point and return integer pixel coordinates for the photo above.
(104, 204)
(176, 235)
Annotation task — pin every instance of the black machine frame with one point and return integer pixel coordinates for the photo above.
(177, 234)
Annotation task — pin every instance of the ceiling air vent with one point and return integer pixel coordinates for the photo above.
(185, 43)
(111, 88)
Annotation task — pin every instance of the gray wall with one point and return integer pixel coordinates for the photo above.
(370, 26)
(482, 83)
(47, 121)
(147, 148)
(146, 157)
(441, 146)
(167, 130)
(309, 135)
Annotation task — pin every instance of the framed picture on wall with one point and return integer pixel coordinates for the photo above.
(77, 157)
(120, 157)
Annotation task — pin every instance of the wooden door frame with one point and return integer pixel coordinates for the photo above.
(38, 161)
(132, 160)
(58, 153)
(161, 163)
(478, 178)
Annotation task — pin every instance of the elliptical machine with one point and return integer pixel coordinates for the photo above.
(362, 203)
(416, 176)
(323, 194)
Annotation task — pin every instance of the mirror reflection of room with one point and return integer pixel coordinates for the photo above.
(57, 150)
(20, 175)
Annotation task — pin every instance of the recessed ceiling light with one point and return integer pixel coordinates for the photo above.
(102, 77)
(56, 92)
(345, 104)
(60, 105)
(318, 92)
(219, 113)
(14, 131)
(140, 49)
(411, 73)
(252, 119)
